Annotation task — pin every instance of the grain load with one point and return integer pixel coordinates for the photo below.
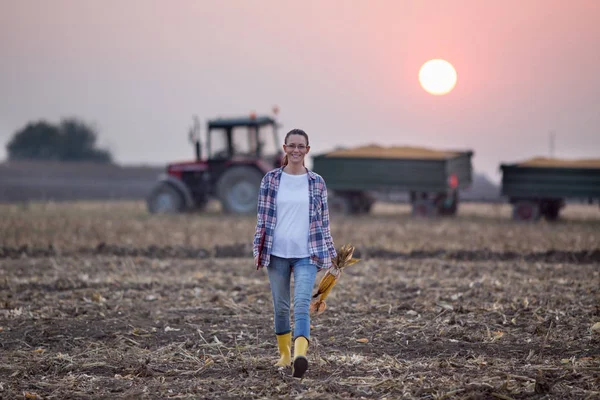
(544, 162)
(375, 151)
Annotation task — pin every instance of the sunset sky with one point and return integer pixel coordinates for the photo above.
(345, 71)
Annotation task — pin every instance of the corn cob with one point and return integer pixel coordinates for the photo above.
(328, 281)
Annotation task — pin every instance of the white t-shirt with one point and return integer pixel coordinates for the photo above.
(290, 239)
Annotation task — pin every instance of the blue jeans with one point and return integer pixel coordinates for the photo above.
(280, 271)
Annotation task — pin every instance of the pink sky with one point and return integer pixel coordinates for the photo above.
(346, 72)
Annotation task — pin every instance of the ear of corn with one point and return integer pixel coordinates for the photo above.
(342, 260)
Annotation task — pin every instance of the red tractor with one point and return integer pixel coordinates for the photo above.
(239, 151)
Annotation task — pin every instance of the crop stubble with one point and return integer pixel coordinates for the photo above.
(102, 300)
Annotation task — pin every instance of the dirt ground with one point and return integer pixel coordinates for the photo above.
(102, 300)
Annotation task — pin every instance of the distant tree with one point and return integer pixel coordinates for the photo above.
(71, 140)
(79, 143)
(36, 141)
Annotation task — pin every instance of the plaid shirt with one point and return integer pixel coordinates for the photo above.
(320, 243)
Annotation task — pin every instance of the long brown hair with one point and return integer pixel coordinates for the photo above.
(296, 131)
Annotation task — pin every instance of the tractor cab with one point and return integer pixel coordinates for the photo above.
(250, 138)
(230, 162)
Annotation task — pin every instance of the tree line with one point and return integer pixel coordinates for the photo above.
(69, 140)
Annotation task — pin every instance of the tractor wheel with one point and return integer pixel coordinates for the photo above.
(165, 199)
(238, 190)
(526, 210)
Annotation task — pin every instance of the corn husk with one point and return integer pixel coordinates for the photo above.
(342, 260)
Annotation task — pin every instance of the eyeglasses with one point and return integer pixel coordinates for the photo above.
(300, 147)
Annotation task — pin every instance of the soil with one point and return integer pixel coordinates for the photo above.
(113, 315)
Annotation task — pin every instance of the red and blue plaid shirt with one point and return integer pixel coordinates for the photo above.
(320, 243)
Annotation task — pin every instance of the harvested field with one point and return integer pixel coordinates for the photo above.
(102, 300)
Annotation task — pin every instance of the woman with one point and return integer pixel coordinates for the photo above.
(293, 237)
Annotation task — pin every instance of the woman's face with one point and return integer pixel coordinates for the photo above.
(296, 148)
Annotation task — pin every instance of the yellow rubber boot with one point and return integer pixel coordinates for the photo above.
(300, 364)
(284, 342)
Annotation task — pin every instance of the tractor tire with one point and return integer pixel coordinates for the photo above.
(238, 189)
(165, 199)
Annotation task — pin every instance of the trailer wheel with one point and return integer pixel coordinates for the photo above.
(550, 209)
(365, 203)
(552, 214)
(238, 190)
(526, 210)
(424, 208)
(447, 204)
(339, 205)
(165, 199)
(366, 208)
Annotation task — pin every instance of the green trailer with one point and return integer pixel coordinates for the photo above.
(540, 186)
(431, 177)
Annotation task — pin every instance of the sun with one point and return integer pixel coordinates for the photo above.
(437, 77)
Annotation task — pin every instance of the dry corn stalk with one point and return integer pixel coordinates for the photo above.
(342, 260)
